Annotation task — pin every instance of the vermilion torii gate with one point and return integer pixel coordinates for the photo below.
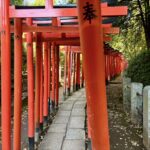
(48, 39)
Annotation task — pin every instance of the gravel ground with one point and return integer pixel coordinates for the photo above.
(123, 134)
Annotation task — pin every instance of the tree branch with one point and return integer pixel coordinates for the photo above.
(141, 13)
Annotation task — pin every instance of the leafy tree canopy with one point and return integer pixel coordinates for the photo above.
(135, 33)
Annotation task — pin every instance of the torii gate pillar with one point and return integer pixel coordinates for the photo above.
(91, 37)
(5, 74)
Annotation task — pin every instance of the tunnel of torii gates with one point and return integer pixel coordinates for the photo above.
(81, 33)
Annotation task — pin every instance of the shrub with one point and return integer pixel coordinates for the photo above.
(139, 68)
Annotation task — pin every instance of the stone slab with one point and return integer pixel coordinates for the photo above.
(58, 128)
(146, 117)
(136, 102)
(69, 102)
(64, 113)
(78, 112)
(71, 99)
(127, 94)
(52, 141)
(61, 119)
(77, 122)
(83, 96)
(80, 104)
(75, 134)
(66, 106)
(74, 145)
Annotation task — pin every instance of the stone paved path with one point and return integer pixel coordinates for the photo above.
(67, 130)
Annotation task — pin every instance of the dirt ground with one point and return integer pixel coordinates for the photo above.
(123, 134)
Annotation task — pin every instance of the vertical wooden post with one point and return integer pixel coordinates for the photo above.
(117, 65)
(45, 103)
(30, 70)
(115, 60)
(74, 73)
(78, 72)
(82, 76)
(65, 75)
(49, 4)
(71, 68)
(53, 75)
(17, 83)
(88, 123)
(37, 86)
(106, 67)
(109, 67)
(94, 70)
(5, 75)
(105, 56)
(49, 75)
(55, 22)
(41, 90)
(69, 72)
(57, 75)
(51, 79)
(60, 71)
(112, 60)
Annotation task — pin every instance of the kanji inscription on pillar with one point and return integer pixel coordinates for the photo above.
(89, 12)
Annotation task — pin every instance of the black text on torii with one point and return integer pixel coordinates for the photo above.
(89, 12)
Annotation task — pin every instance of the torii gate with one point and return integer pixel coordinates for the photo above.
(95, 78)
(106, 30)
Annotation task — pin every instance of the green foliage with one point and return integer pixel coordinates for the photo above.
(131, 41)
(39, 3)
(42, 2)
(56, 2)
(62, 58)
(17, 2)
(71, 1)
(64, 2)
(139, 68)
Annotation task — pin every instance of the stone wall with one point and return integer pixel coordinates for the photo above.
(127, 95)
(136, 102)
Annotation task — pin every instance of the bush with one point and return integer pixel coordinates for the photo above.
(139, 68)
